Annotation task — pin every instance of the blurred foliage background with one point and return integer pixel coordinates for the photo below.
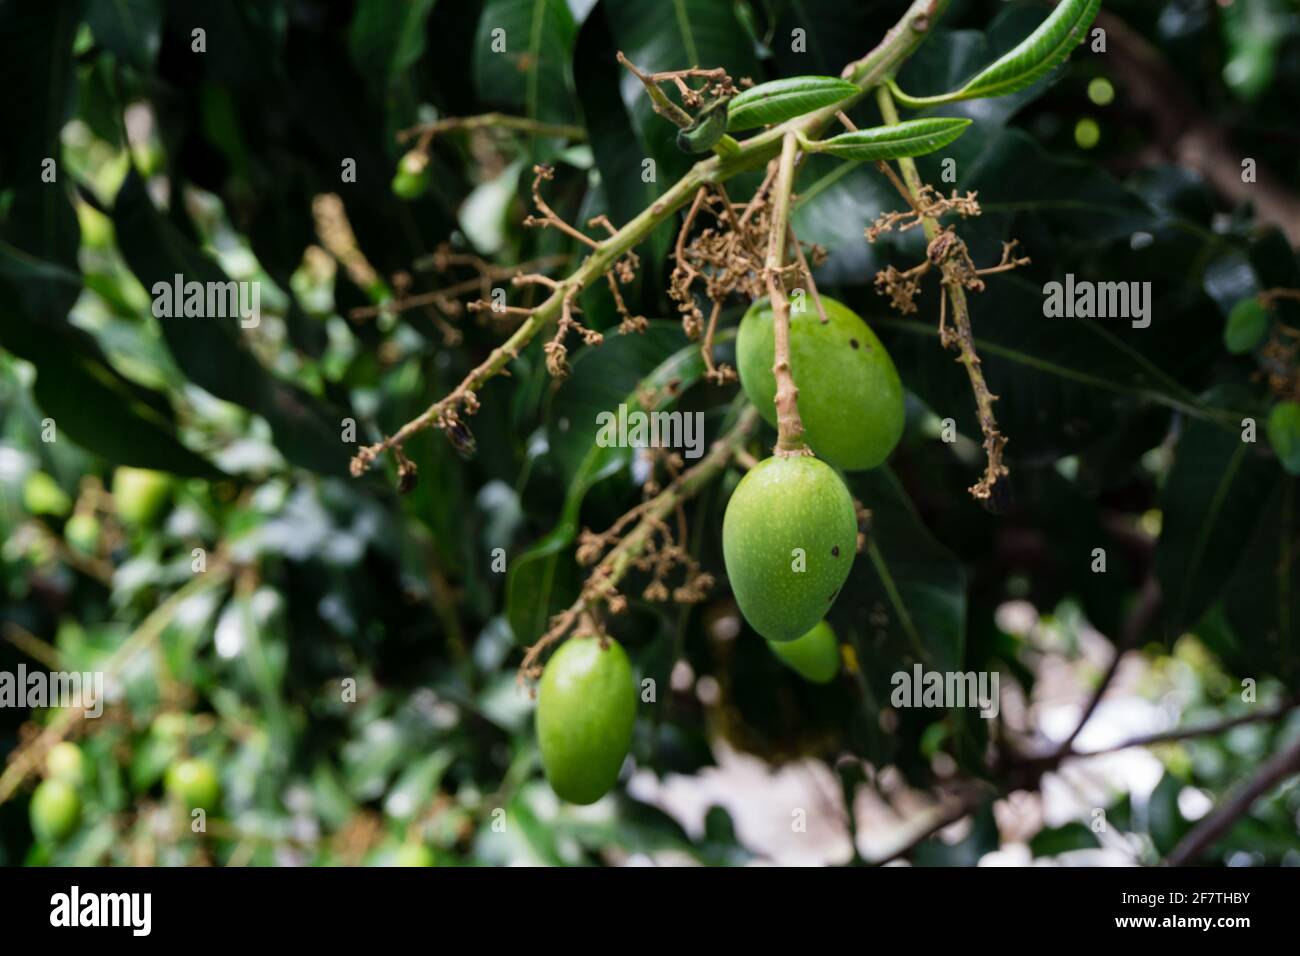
(223, 164)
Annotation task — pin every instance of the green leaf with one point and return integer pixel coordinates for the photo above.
(1246, 327)
(1284, 434)
(1051, 841)
(38, 77)
(386, 39)
(532, 71)
(909, 138)
(1032, 59)
(908, 583)
(601, 379)
(211, 352)
(784, 99)
(1039, 53)
(132, 29)
(1211, 503)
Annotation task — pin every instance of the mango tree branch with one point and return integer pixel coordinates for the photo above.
(605, 577)
(947, 252)
(789, 440)
(897, 45)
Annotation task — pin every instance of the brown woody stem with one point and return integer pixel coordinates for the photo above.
(789, 425)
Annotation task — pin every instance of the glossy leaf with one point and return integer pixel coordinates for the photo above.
(532, 72)
(1032, 59)
(1211, 503)
(784, 99)
(1039, 53)
(909, 138)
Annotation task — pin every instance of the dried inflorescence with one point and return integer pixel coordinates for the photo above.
(947, 253)
(928, 205)
(622, 272)
(723, 258)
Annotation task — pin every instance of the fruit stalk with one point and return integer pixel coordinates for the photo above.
(789, 427)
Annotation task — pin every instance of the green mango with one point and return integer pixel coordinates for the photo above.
(64, 762)
(82, 532)
(815, 656)
(193, 783)
(43, 496)
(586, 706)
(413, 854)
(788, 540)
(139, 494)
(412, 177)
(54, 810)
(850, 397)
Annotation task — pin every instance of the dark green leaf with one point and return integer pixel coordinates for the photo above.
(909, 138)
(132, 29)
(780, 100)
(1039, 53)
(37, 75)
(210, 350)
(1211, 502)
(531, 72)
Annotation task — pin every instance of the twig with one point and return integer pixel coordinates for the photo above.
(427, 131)
(605, 577)
(948, 252)
(1278, 767)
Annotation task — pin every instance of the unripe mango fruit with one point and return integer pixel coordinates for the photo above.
(193, 783)
(412, 177)
(54, 810)
(815, 656)
(850, 398)
(586, 705)
(788, 540)
(64, 762)
(139, 494)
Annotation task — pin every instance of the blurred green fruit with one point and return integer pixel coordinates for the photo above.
(193, 783)
(64, 762)
(413, 854)
(1087, 133)
(168, 726)
(1284, 434)
(586, 706)
(1246, 327)
(43, 496)
(850, 398)
(815, 656)
(789, 536)
(54, 810)
(412, 177)
(82, 532)
(140, 494)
